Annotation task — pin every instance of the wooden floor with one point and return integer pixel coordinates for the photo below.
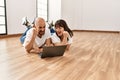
(93, 56)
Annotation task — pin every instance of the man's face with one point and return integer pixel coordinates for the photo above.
(40, 27)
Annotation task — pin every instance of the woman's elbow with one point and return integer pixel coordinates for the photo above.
(68, 47)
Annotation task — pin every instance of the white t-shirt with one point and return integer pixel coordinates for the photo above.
(56, 39)
(38, 41)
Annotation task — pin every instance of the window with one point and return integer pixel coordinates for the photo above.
(3, 29)
(42, 9)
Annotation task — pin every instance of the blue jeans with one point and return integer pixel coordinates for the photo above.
(22, 38)
(52, 31)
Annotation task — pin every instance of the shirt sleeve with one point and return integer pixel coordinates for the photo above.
(28, 36)
(70, 40)
(48, 34)
(55, 38)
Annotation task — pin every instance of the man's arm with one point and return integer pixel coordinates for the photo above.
(29, 44)
(48, 42)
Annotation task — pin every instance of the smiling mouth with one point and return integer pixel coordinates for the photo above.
(41, 32)
(59, 33)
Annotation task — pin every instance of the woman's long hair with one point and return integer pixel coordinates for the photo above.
(63, 24)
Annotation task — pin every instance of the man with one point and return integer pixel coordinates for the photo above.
(37, 37)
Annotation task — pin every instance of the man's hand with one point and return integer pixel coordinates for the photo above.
(34, 33)
(36, 50)
(29, 44)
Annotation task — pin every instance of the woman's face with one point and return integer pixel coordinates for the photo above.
(59, 30)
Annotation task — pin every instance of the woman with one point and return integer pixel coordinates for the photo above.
(63, 35)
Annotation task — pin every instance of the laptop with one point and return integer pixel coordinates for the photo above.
(53, 51)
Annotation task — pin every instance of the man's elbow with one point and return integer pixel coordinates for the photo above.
(27, 49)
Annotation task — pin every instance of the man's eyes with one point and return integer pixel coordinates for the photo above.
(41, 27)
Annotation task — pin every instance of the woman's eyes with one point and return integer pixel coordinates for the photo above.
(59, 28)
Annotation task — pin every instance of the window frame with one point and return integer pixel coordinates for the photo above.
(47, 9)
(5, 17)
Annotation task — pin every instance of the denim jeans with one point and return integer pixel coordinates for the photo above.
(52, 31)
(22, 38)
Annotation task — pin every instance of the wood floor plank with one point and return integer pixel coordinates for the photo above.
(92, 56)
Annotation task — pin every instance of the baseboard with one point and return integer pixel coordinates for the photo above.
(10, 35)
(17, 35)
(95, 31)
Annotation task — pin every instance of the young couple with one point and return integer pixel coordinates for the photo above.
(39, 35)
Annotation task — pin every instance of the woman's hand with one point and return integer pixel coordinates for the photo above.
(65, 37)
(65, 34)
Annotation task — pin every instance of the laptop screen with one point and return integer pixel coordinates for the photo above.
(52, 51)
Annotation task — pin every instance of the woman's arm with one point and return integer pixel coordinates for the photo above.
(64, 40)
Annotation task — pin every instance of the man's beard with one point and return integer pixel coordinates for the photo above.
(41, 33)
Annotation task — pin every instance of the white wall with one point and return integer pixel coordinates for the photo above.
(92, 14)
(71, 11)
(79, 14)
(16, 10)
(54, 10)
